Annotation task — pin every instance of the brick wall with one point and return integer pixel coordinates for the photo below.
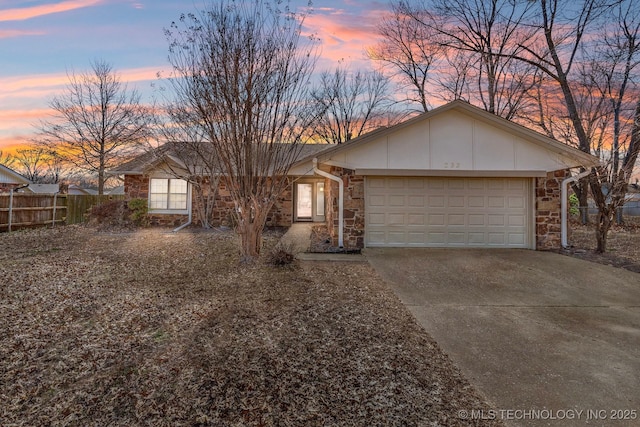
(7, 187)
(548, 209)
(281, 215)
(136, 186)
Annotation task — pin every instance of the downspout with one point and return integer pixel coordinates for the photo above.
(563, 205)
(340, 199)
(190, 210)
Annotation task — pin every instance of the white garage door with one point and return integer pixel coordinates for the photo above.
(445, 212)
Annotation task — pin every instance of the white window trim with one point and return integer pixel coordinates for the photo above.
(170, 211)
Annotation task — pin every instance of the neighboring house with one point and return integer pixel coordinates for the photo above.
(76, 190)
(42, 189)
(631, 205)
(116, 191)
(456, 176)
(10, 179)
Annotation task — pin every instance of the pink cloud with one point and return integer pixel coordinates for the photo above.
(20, 14)
(345, 34)
(5, 34)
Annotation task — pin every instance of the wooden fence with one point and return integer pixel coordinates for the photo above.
(21, 210)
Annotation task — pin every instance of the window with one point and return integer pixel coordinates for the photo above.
(168, 194)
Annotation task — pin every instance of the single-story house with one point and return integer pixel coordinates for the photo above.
(76, 190)
(42, 189)
(456, 176)
(10, 179)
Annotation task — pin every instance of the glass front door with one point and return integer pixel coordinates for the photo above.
(309, 201)
(304, 201)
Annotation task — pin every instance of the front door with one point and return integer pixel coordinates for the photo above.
(309, 201)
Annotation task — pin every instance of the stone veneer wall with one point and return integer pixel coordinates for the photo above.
(548, 210)
(353, 208)
(281, 215)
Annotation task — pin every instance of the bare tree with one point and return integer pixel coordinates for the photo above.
(408, 51)
(6, 159)
(565, 31)
(241, 72)
(350, 104)
(39, 165)
(481, 38)
(97, 121)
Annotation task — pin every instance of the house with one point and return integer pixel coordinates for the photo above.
(41, 189)
(10, 179)
(76, 190)
(456, 176)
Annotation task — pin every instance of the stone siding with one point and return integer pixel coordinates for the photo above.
(281, 215)
(353, 208)
(548, 209)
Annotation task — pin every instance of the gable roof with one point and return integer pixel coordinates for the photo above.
(9, 176)
(530, 136)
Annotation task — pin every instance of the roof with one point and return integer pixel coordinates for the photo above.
(152, 158)
(9, 176)
(585, 159)
(43, 188)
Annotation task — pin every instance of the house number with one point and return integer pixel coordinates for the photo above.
(451, 165)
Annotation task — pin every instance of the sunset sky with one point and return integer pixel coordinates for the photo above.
(42, 40)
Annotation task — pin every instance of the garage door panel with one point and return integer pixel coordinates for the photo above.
(376, 200)
(436, 201)
(496, 202)
(417, 201)
(416, 219)
(440, 212)
(455, 201)
(517, 238)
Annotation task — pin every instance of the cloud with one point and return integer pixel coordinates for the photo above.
(345, 33)
(5, 34)
(21, 14)
(28, 95)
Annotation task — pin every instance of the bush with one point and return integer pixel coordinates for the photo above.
(119, 213)
(139, 209)
(282, 254)
(574, 205)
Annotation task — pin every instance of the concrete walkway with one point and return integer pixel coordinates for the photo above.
(299, 237)
(533, 331)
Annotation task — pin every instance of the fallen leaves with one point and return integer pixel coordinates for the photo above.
(156, 328)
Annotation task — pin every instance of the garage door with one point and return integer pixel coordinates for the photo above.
(445, 212)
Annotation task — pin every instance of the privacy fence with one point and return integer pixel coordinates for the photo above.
(20, 210)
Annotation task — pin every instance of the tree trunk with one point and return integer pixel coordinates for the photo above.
(583, 198)
(251, 241)
(602, 231)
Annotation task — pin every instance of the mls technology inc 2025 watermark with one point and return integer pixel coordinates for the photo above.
(549, 414)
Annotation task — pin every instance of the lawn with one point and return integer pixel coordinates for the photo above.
(623, 244)
(162, 329)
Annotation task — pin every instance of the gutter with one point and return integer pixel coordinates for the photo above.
(340, 199)
(564, 207)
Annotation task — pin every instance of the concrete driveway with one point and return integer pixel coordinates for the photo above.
(548, 339)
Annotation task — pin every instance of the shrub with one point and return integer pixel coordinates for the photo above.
(282, 254)
(139, 209)
(119, 213)
(574, 205)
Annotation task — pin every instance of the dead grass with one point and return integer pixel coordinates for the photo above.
(623, 244)
(162, 329)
